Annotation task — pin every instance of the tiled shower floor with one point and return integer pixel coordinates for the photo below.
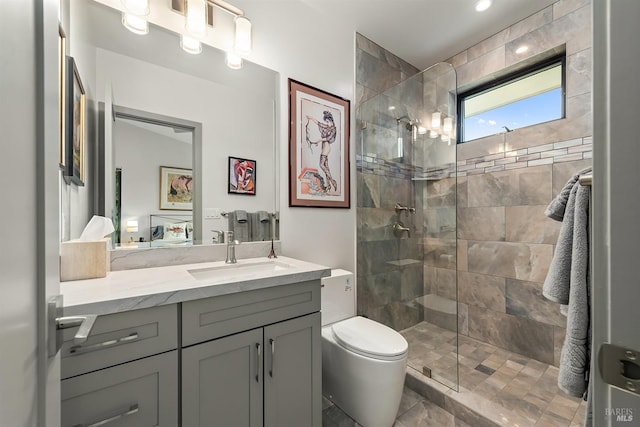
(509, 389)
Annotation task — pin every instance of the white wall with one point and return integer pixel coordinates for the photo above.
(310, 46)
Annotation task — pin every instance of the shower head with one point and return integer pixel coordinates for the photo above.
(409, 124)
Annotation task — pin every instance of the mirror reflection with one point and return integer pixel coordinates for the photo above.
(151, 74)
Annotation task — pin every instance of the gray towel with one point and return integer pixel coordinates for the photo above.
(241, 216)
(239, 225)
(263, 216)
(556, 208)
(259, 228)
(568, 283)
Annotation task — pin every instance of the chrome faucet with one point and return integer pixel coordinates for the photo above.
(218, 237)
(231, 248)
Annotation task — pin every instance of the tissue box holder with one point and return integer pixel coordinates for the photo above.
(84, 260)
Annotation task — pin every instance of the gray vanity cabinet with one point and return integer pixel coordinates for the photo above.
(262, 363)
(292, 373)
(143, 393)
(222, 382)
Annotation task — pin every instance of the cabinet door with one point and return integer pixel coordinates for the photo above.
(222, 382)
(143, 393)
(293, 388)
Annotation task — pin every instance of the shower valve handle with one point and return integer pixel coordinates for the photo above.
(399, 208)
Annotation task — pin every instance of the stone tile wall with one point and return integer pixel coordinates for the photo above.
(389, 270)
(505, 243)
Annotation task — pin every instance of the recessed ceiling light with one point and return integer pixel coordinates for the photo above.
(482, 5)
(522, 49)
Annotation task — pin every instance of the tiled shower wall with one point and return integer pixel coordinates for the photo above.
(505, 243)
(505, 182)
(385, 282)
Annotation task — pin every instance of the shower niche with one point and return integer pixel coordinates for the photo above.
(406, 236)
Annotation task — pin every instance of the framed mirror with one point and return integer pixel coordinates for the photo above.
(231, 113)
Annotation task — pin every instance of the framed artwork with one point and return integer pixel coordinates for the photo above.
(62, 67)
(75, 119)
(318, 148)
(176, 188)
(242, 176)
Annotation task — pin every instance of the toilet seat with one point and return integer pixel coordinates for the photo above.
(370, 339)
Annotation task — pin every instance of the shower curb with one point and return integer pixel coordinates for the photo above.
(448, 399)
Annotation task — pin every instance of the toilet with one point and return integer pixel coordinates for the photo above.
(363, 361)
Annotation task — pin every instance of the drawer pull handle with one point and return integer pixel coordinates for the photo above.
(101, 345)
(132, 410)
(258, 363)
(272, 343)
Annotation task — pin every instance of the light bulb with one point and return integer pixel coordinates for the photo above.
(433, 134)
(422, 130)
(136, 7)
(135, 24)
(243, 43)
(190, 45)
(233, 61)
(196, 18)
(448, 124)
(435, 120)
(482, 5)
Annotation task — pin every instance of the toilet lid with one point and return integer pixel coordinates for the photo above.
(369, 338)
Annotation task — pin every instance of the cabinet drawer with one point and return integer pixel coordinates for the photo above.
(143, 393)
(210, 318)
(121, 337)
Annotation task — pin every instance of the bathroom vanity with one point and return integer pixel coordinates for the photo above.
(196, 345)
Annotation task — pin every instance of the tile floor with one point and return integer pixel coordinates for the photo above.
(415, 411)
(507, 388)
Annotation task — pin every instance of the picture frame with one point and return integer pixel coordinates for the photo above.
(62, 113)
(176, 188)
(241, 176)
(319, 174)
(75, 125)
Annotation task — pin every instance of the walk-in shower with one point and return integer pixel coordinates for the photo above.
(406, 250)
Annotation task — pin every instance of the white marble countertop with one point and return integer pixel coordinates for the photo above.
(149, 287)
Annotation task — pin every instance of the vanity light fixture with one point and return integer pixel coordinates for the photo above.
(433, 134)
(190, 44)
(482, 5)
(199, 13)
(233, 61)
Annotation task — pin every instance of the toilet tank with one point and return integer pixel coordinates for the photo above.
(338, 294)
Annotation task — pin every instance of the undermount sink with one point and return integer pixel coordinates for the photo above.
(240, 268)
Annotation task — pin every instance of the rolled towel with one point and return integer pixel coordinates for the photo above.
(263, 216)
(241, 216)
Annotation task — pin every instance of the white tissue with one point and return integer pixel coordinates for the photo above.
(97, 228)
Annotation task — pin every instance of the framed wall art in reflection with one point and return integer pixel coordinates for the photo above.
(75, 120)
(318, 148)
(242, 176)
(176, 188)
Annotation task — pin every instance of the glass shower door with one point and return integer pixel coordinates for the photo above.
(406, 247)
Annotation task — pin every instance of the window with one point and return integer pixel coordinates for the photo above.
(532, 96)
